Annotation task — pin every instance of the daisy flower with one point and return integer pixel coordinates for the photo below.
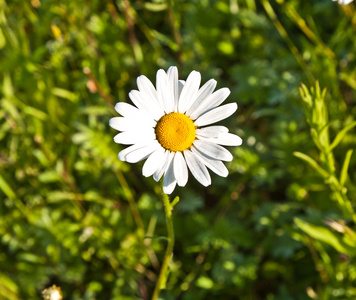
(168, 127)
(345, 2)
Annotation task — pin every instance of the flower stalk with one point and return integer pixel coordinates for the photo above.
(169, 250)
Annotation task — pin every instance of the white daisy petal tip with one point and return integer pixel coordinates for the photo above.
(239, 141)
(117, 107)
(344, 2)
(168, 189)
(198, 168)
(215, 165)
(189, 92)
(169, 180)
(166, 127)
(141, 153)
(180, 169)
(150, 166)
(111, 122)
(121, 157)
(172, 69)
(225, 139)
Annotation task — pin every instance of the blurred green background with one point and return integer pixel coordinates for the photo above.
(73, 215)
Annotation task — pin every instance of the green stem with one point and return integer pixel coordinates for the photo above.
(132, 203)
(273, 16)
(169, 250)
(175, 28)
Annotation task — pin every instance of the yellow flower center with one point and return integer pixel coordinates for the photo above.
(175, 132)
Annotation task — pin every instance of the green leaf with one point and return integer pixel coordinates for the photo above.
(341, 135)
(316, 139)
(2, 39)
(175, 201)
(345, 167)
(325, 129)
(312, 163)
(348, 78)
(155, 6)
(205, 282)
(7, 87)
(65, 94)
(35, 113)
(49, 176)
(158, 238)
(32, 258)
(165, 40)
(325, 235)
(8, 288)
(5, 187)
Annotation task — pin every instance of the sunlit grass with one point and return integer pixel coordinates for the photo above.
(281, 226)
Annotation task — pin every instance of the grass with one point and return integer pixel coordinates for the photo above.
(280, 226)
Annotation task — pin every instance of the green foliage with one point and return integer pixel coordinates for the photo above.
(280, 226)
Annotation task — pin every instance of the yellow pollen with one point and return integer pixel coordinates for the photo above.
(175, 132)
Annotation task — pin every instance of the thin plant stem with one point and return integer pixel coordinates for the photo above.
(130, 23)
(294, 15)
(272, 15)
(137, 217)
(175, 28)
(169, 250)
(98, 87)
(132, 203)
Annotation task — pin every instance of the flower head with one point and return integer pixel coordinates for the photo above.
(345, 2)
(168, 127)
(52, 293)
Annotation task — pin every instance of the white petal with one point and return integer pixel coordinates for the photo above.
(211, 131)
(142, 153)
(169, 181)
(180, 169)
(197, 168)
(205, 91)
(129, 111)
(166, 160)
(226, 139)
(125, 109)
(216, 114)
(189, 92)
(212, 101)
(161, 166)
(135, 137)
(127, 124)
(123, 153)
(345, 2)
(138, 99)
(215, 165)
(147, 88)
(168, 189)
(181, 84)
(164, 91)
(153, 162)
(173, 81)
(213, 150)
(116, 123)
